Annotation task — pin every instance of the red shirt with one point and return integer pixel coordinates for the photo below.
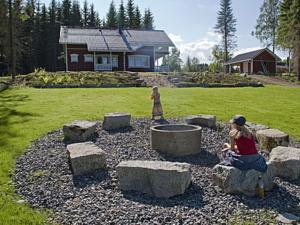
(246, 146)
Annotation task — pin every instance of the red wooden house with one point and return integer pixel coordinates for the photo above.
(254, 62)
(113, 50)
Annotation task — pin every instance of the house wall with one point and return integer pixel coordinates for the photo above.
(142, 51)
(268, 59)
(81, 50)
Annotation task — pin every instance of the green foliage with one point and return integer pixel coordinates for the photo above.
(41, 78)
(76, 19)
(218, 56)
(111, 17)
(226, 27)
(137, 24)
(148, 20)
(66, 12)
(267, 23)
(173, 60)
(288, 36)
(122, 16)
(130, 14)
(92, 16)
(85, 13)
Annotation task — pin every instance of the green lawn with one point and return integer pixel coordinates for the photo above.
(27, 113)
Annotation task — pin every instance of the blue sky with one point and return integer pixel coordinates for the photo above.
(190, 23)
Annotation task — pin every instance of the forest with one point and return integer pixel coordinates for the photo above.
(29, 30)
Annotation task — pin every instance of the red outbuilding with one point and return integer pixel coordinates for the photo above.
(262, 61)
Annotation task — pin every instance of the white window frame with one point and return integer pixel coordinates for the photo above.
(112, 57)
(135, 62)
(88, 58)
(74, 58)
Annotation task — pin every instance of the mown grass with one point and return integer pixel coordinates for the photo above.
(27, 113)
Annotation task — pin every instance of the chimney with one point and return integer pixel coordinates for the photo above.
(120, 30)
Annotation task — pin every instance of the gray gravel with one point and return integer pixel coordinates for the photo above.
(44, 179)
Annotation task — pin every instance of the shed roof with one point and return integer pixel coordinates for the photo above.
(249, 55)
(114, 40)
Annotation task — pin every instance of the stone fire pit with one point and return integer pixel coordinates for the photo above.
(176, 139)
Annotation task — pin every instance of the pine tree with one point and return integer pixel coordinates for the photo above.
(267, 23)
(97, 20)
(14, 47)
(289, 30)
(53, 36)
(85, 14)
(66, 12)
(26, 62)
(137, 23)
(92, 16)
(3, 34)
(130, 14)
(188, 64)
(226, 26)
(75, 19)
(59, 13)
(44, 48)
(122, 16)
(148, 20)
(111, 17)
(195, 64)
(173, 60)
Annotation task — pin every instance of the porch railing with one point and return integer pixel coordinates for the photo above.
(103, 67)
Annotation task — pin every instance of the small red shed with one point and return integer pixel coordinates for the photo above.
(254, 62)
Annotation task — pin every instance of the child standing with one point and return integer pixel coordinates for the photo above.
(157, 108)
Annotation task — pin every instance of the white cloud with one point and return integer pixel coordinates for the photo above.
(200, 48)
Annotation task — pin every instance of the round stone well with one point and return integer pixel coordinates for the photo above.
(176, 139)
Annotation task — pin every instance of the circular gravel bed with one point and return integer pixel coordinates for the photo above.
(44, 179)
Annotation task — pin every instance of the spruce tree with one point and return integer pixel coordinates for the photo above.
(97, 20)
(26, 63)
(53, 37)
(122, 16)
(85, 14)
(92, 16)
(130, 14)
(226, 27)
(75, 19)
(188, 64)
(137, 24)
(148, 20)
(267, 23)
(3, 34)
(111, 17)
(59, 13)
(66, 12)
(44, 48)
(289, 30)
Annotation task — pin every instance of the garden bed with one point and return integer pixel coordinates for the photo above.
(44, 179)
(43, 79)
(207, 80)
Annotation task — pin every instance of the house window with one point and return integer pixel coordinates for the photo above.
(88, 58)
(139, 61)
(74, 58)
(105, 60)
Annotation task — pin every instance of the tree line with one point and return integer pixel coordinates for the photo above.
(29, 30)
